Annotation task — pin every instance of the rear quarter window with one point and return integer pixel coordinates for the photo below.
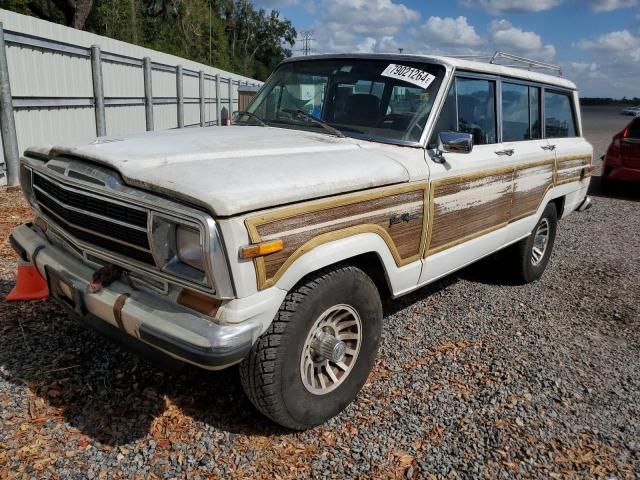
(559, 115)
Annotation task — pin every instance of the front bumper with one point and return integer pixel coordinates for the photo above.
(177, 331)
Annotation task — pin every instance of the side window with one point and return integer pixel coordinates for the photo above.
(535, 117)
(558, 115)
(448, 119)
(515, 112)
(470, 107)
(520, 112)
(477, 109)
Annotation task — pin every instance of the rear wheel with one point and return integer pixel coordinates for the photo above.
(318, 352)
(531, 255)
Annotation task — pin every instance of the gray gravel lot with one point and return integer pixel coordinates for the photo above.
(476, 378)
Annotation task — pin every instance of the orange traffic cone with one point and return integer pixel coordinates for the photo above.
(30, 285)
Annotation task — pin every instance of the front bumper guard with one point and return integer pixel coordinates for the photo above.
(177, 331)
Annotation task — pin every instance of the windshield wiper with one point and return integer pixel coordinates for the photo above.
(301, 113)
(252, 115)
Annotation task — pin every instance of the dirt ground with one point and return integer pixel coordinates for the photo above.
(476, 378)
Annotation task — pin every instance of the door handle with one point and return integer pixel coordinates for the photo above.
(549, 147)
(509, 152)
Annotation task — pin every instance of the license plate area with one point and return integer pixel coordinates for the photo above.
(63, 290)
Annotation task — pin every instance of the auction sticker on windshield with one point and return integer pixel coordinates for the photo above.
(409, 74)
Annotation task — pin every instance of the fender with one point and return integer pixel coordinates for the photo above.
(400, 278)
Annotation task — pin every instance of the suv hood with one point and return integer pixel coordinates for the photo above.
(231, 170)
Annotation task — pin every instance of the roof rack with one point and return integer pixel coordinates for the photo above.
(499, 58)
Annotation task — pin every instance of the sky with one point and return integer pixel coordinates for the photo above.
(596, 42)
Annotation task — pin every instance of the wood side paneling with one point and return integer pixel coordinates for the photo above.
(530, 186)
(570, 169)
(412, 219)
(464, 208)
(397, 214)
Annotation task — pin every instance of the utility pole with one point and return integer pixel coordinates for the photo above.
(307, 38)
(400, 50)
(209, 32)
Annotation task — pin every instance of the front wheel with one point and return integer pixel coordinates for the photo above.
(318, 352)
(532, 254)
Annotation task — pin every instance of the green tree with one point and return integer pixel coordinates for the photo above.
(229, 34)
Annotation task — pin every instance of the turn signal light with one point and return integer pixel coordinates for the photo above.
(261, 249)
(199, 302)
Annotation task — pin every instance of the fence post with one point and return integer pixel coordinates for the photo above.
(218, 105)
(148, 93)
(203, 120)
(231, 105)
(7, 121)
(98, 91)
(180, 96)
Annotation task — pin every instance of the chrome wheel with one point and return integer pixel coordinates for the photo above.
(540, 242)
(331, 349)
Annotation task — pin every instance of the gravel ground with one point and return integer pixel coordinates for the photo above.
(476, 378)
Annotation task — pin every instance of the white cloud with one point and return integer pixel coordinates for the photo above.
(388, 44)
(622, 44)
(504, 36)
(360, 25)
(382, 17)
(498, 7)
(609, 5)
(450, 32)
(614, 67)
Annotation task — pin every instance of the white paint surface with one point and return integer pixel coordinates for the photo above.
(231, 170)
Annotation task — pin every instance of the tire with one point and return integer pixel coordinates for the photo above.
(272, 373)
(529, 265)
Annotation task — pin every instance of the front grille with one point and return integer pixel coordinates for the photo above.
(91, 204)
(111, 226)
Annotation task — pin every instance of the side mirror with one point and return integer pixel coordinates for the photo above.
(453, 142)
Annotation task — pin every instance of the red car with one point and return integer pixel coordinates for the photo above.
(622, 160)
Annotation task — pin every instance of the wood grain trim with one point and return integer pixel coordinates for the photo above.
(461, 179)
(325, 206)
(538, 193)
(580, 160)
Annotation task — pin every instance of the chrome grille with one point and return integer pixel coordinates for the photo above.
(95, 220)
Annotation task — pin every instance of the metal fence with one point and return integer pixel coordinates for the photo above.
(52, 92)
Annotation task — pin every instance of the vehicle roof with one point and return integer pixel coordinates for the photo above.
(457, 63)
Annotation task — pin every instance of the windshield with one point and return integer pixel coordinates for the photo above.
(372, 99)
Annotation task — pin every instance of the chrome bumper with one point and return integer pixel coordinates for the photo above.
(178, 332)
(585, 205)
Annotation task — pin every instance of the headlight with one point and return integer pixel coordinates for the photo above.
(178, 248)
(189, 247)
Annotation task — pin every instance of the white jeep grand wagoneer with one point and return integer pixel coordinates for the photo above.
(271, 243)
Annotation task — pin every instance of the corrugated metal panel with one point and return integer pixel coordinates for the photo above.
(164, 84)
(122, 80)
(53, 127)
(192, 114)
(190, 86)
(48, 74)
(165, 116)
(125, 120)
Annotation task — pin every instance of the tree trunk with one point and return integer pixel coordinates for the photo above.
(134, 26)
(81, 13)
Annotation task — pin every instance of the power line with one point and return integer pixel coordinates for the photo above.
(307, 38)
